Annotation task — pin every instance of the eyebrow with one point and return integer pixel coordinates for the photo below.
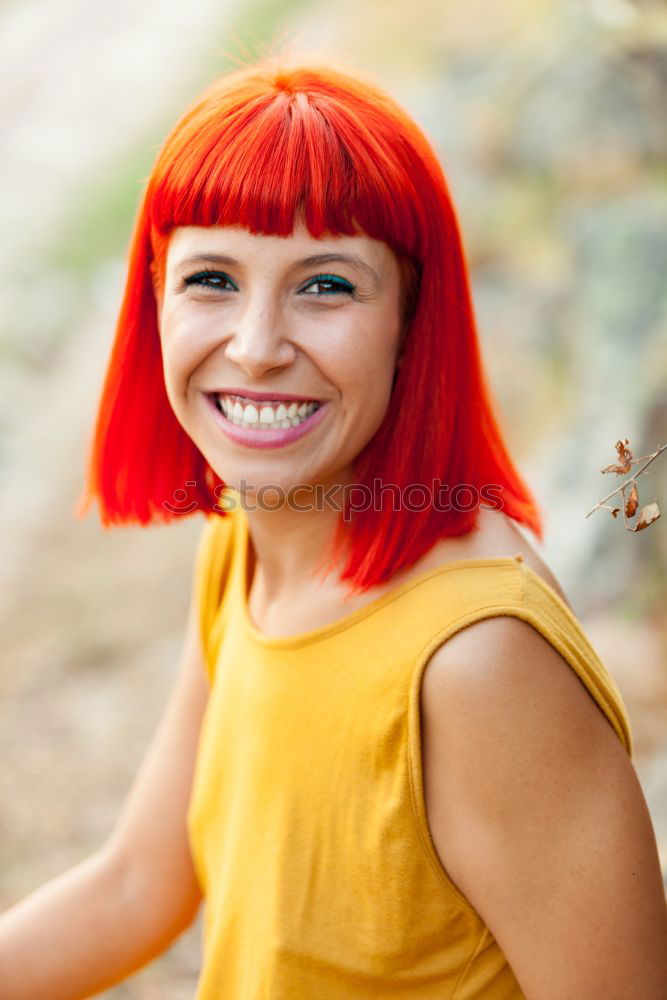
(312, 261)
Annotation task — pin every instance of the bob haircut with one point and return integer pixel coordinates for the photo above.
(262, 146)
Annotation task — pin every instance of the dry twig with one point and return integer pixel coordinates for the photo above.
(650, 512)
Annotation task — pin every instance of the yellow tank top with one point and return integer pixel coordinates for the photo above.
(307, 822)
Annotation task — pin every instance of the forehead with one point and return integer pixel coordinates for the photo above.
(239, 242)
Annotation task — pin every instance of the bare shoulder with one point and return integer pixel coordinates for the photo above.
(505, 662)
(538, 816)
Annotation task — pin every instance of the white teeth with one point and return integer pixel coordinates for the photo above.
(265, 415)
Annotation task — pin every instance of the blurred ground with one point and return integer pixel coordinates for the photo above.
(547, 120)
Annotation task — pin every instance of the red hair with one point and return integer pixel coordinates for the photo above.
(260, 146)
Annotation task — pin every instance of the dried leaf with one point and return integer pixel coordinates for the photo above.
(625, 458)
(647, 515)
(615, 511)
(632, 502)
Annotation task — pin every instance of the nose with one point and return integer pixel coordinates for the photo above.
(258, 343)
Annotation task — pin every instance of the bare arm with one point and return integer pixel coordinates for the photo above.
(103, 919)
(539, 818)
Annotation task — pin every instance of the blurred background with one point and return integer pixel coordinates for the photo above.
(548, 116)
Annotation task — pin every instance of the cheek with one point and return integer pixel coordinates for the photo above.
(183, 348)
(361, 365)
(366, 359)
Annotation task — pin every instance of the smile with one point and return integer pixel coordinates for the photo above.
(265, 415)
(265, 424)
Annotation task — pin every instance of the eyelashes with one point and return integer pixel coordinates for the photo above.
(210, 279)
(336, 285)
(329, 284)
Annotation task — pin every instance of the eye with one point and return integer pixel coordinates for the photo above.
(327, 284)
(211, 279)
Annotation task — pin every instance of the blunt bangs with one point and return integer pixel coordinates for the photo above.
(292, 152)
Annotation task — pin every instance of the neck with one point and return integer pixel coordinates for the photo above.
(286, 545)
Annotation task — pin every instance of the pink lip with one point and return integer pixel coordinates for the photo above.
(265, 439)
(269, 394)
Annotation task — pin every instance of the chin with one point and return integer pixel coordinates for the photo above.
(254, 480)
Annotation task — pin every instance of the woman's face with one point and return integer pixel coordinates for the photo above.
(258, 325)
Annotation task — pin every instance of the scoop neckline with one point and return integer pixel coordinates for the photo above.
(351, 619)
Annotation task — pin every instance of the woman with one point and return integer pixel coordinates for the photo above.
(392, 764)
